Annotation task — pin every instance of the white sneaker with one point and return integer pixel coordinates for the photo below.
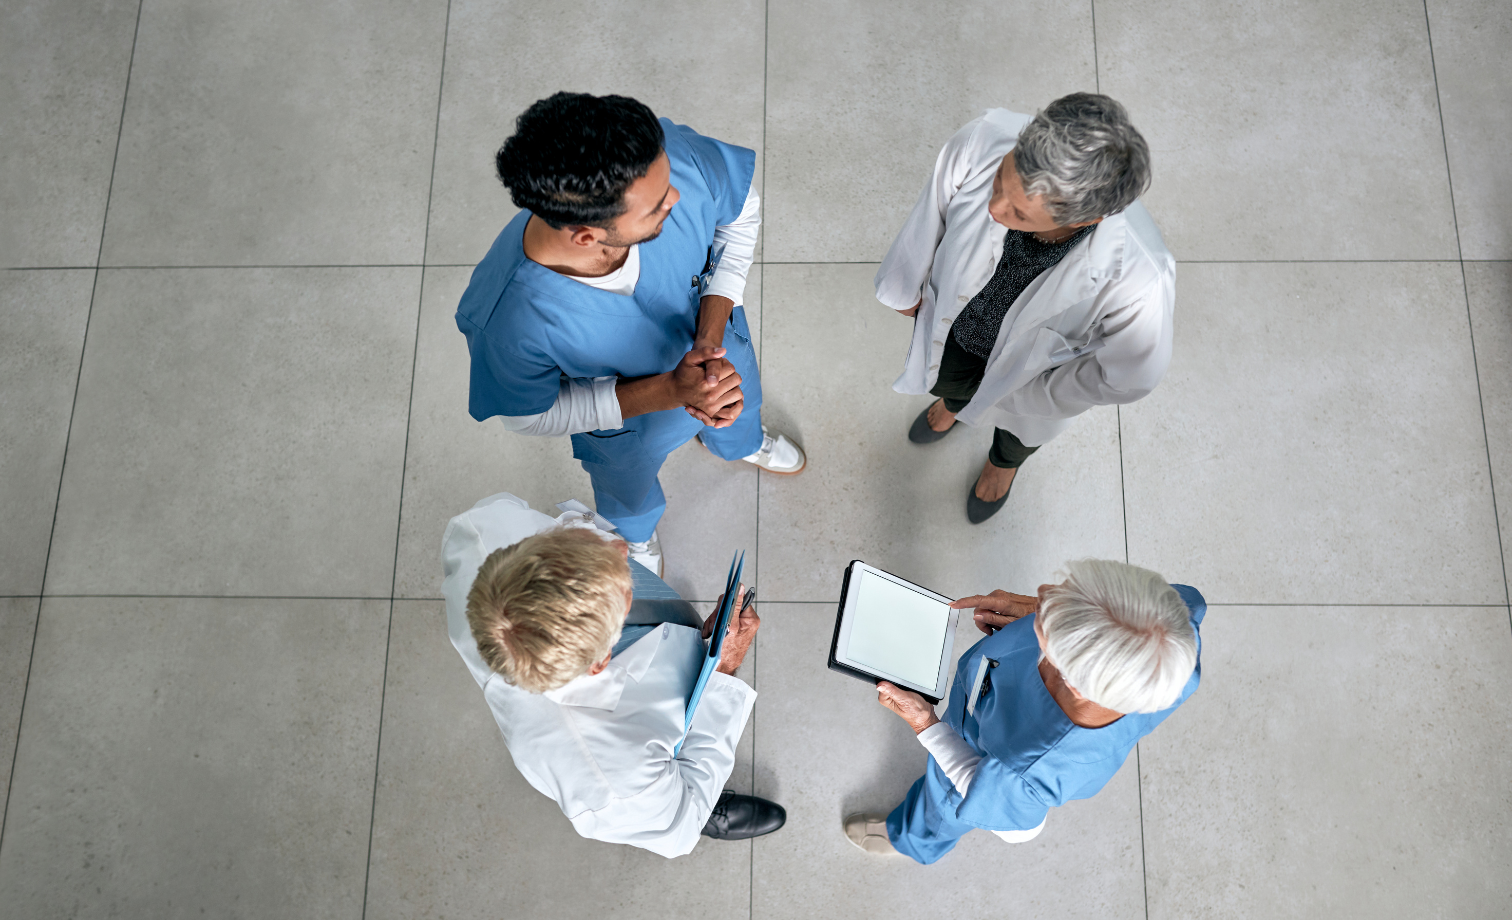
(778, 455)
(648, 554)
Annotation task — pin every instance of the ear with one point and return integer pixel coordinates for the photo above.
(586, 236)
(1088, 223)
(600, 665)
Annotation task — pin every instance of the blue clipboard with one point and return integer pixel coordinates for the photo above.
(716, 642)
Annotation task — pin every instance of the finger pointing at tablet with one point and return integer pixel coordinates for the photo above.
(998, 609)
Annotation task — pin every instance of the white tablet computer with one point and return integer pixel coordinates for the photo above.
(891, 629)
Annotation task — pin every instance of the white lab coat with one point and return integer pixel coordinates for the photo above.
(601, 746)
(1093, 330)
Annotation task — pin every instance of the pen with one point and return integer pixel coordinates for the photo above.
(750, 598)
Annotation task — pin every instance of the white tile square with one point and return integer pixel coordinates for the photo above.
(861, 97)
(832, 354)
(278, 133)
(239, 432)
(1336, 762)
(215, 760)
(1317, 440)
(63, 69)
(1309, 131)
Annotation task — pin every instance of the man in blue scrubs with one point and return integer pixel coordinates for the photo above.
(608, 308)
(1045, 709)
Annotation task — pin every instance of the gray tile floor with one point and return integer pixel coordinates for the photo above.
(232, 425)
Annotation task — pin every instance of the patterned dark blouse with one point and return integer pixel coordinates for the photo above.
(1024, 259)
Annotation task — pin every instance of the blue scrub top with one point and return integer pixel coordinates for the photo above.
(1034, 756)
(527, 326)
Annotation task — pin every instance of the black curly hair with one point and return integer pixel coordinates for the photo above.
(573, 155)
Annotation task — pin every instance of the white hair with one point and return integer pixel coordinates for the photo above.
(1082, 154)
(1120, 635)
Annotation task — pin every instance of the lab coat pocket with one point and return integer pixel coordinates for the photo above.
(618, 448)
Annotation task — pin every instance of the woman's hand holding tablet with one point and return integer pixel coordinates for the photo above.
(914, 709)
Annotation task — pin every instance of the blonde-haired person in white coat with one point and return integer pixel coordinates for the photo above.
(1039, 284)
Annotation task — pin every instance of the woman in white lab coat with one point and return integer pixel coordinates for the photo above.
(1039, 285)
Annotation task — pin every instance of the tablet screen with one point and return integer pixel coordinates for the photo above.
(896, 630)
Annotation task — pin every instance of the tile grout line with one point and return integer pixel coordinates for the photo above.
(1498, 605)
(1144, 865)
(1096, 73)
(766, 53)
(1123, 488)
(72, 409)
(1469, 314)
(1123, 496)
(367, 870)
(123, 268)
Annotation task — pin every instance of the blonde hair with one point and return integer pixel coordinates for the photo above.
(545, 609)
(1120, 635)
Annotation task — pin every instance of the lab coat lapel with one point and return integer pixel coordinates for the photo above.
(1068, 290)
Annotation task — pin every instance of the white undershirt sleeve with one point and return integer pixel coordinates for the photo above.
(959, 763)
(952, 753)
(582, 404)
(738, 242)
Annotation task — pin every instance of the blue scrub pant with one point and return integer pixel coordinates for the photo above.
(924, 826)
(624, 463)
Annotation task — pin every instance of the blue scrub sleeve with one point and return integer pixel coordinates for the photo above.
(726, 169)
(507, 381)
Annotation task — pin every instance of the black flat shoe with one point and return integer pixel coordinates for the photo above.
(740, 817)
(978, 511)
(921, 433)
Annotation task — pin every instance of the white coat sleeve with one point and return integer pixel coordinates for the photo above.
(905, 269)
(737, 243)
(1135, 352)
(581, 405)
(667, 816)
(959, 763)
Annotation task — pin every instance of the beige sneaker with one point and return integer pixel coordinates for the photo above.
(869, 832)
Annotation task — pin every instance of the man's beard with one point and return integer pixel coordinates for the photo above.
(620, 243)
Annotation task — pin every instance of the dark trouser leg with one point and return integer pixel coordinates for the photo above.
(960, 375)
(1008, 452)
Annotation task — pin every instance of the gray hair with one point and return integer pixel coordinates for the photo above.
(1120, 635)
(1082, 154)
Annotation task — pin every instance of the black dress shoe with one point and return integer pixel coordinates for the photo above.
(740, 817)
(978, 511)
(921, 433)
